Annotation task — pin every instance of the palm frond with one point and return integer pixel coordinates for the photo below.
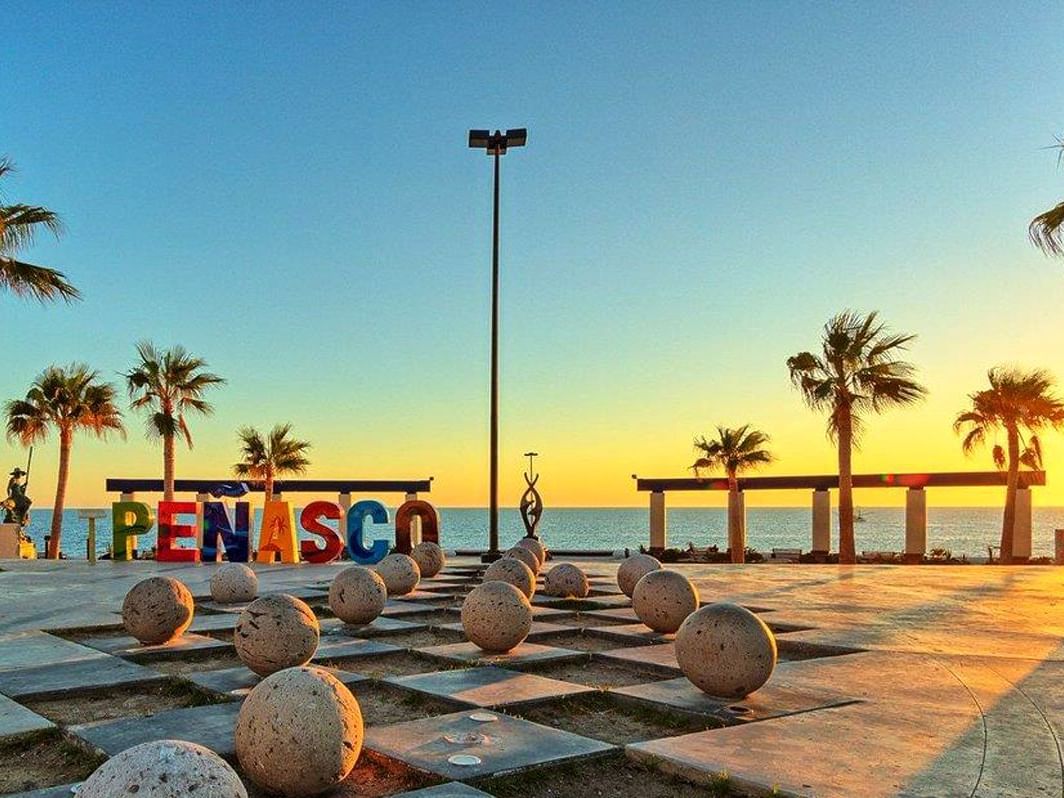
(37, 282)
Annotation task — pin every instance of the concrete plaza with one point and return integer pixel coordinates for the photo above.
(893, 681)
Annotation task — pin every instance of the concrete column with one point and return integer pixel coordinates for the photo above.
(415, 522)
(1021, 541)
(658, 529)
(821, 521)
(1060, 547)
(739, 500)
(200, 499)
(915, 524)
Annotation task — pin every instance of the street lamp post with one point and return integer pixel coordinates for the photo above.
(495, 144)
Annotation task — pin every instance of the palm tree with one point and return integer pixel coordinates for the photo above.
(1047, 229)
(68, 399)
(1021, 403)
(18, 226)
(169, 384)
(267, 458)
(857, 371)
(734, 450)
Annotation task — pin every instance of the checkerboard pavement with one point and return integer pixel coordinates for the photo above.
(577, 690)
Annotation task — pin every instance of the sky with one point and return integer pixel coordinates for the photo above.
(286, 190)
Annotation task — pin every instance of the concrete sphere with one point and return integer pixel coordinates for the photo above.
(525, 555)
(299, 732)
(276, 632)
(496, 616)
(534, 545)
(357, 595)
(565, 579)
(234, 583)
(429, 558)
(663, 600)
(164, 769)
(157, 609)
(400, 574)
(633, 569)
(514, 572)
(726, 650)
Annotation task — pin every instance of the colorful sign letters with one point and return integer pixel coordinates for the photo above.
(199, 532)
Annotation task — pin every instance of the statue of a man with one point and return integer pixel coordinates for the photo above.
(17, 504)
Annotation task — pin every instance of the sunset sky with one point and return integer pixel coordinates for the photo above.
(288, 193)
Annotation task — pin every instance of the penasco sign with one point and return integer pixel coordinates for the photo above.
(200, 532)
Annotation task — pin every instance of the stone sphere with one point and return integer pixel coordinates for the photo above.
(357, 595)
(633, 569)
(157, 609)
(527, 556)
(726, 650)
(496, 616)
(276, 632)
(299, 732)
(164, 769)
(565, 579)
(400, 574)
(663, 600)
(534, 545)
(429, 557)
(234, 583)
(513, 572)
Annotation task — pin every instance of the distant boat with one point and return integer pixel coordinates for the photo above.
(859, 517)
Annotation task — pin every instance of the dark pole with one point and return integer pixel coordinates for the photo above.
(493, 513)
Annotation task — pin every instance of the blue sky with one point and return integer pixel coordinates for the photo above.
(285, 189)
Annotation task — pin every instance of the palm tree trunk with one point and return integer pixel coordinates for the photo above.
(168, 468)
(1008, 520)
(268, 486)
(65, 441)
(847, 545)
(736, 544)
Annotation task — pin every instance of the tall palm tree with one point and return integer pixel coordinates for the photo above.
(267, 458)
(169, 383)
(67, 399)
(1047, 229)
(18, 226)
(1021, 403)
(734, 450)
(856, 372)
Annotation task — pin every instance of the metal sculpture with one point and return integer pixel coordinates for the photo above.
(531, 501)
(17, 504)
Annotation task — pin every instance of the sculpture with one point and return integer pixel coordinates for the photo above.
(531, 501)
(17, 504)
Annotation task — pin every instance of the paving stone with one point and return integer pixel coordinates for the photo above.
(631, 632)
(488, 686)
(551, 615)
(93, 672)
(625, 614)
(213, 623)
(772, 700)
(349, 647)
(452, 789)
(211, 726)
(538, 628)
(522, 654)
(62, 791)
(424, 596)
(238, 681)
(380, 626)
(16, 719)
(126, 646)
(660, 657)
(394, 608)
(34, 649)
(509, 744)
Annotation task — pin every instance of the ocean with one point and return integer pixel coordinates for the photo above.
(962, 530)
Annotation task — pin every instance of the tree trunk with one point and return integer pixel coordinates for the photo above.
(736, 544)
(1008, 520)
(65, 441)
(268, 486)
(847, 545)
(168, 468)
